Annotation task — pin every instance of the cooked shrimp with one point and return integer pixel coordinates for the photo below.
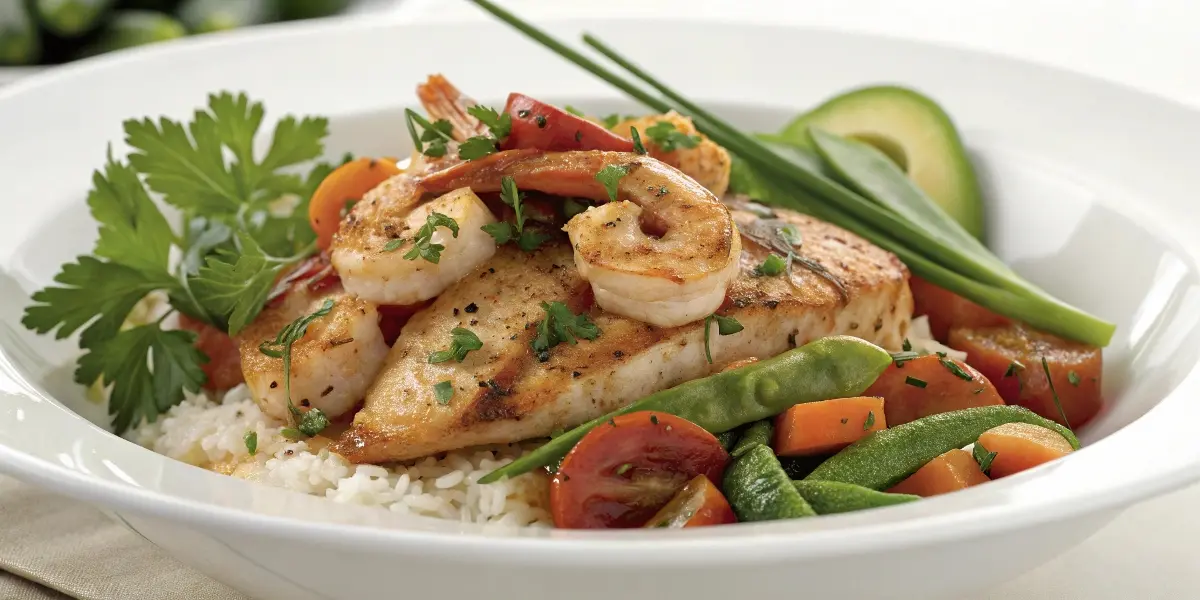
(443, 101)
(332, 365)
(663, 255)
(707, 163)
(368, 250)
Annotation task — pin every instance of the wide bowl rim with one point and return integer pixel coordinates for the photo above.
(745, 541)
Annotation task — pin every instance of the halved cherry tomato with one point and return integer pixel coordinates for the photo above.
(624, 471)
(539, 125)
(343, 187)
(224, 366)
(699, 503)
(947, 310)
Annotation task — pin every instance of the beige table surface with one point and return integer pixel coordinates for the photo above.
(1147, 553)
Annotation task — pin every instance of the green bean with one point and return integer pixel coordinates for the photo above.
(728, 438)
(759, 490)
(884, 458)
(831, 367)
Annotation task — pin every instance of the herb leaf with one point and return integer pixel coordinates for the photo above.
(610, 177)
(462, 342)
(771, 266)
(251, 441)
(499, 124)
(313, 422)
(1054, 393)
(1013, 367)
(504, 232)
(637, 141)
(501, 231)
(953, 367)
(149, 369)
(725, 326)
(232, 285)
(1073, 378)
(443, 391)
(575, 111)
(870, 422)
(561, 325)
(423, 246)
(983, 457)
(476, 147)
(611, 121)
(668, 139)
(913, 381)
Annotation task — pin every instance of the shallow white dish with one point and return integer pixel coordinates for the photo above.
(1091, 188)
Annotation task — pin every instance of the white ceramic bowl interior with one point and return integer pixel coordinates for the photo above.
(1091, 190)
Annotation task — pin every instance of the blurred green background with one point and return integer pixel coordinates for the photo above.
(48, 32)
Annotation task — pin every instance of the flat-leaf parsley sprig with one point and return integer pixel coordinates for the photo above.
(237, 236)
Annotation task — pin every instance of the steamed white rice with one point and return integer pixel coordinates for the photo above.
(206, 432)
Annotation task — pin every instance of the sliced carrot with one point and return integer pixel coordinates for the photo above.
(341, 188)
(1020, 446)
(930, 385)
(950, 472)
(1011, 357)
(947, 310)
(825, 427)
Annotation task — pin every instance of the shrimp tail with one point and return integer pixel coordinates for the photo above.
(443, 101)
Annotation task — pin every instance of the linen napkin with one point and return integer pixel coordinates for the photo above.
(53, 547)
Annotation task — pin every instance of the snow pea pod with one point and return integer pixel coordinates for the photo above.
(758, 433)
(759, 490)
(831, 497)
(830, 367)
(884, 458)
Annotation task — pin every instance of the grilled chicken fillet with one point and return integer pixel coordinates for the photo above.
(503, 393)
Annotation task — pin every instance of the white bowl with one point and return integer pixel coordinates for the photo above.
(1092, 195)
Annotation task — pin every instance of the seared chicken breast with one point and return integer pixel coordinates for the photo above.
(504, 393)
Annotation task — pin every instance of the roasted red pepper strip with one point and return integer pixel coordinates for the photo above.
(539, 125)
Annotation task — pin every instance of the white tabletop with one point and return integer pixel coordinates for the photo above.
(1148, 44)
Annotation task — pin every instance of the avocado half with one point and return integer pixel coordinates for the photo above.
(914, 132)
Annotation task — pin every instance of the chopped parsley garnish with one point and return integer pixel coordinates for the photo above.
(251, 441)
(725, 326)
(913, 381)
(953, 367)
(574, 111)
(621, 470)
(443, 391)
(540, 120)
(504, 232)
(906, 346)
(902, 357)
(610, 177)
(433, 137)
(611, 121)
(232, 248)
(423, 246)
(499, 124)
(870, 422)
(1073, 378)
(1013, 367)
(281, 347)
(313, 422)
(1054, 393)
(637, 141)
(462, 342)
(771, 266)
(561, 325)
(664, 135)
(393, 245)
(476, 147)
(983, 457)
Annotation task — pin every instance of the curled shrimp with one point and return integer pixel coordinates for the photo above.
(664, 254)
(707, 162)
(332, 364)
(371, 250)
(443, 101)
